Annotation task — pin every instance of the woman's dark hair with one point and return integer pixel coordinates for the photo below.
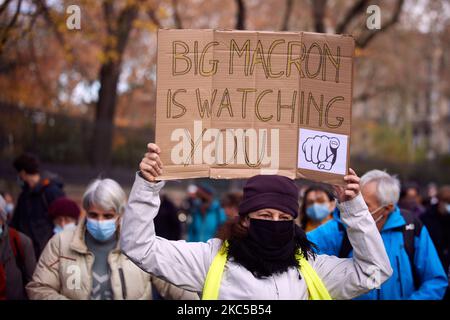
(232, 199)
(234, 230)
(316, 187)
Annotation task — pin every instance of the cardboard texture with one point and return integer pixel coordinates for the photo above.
(233, 104)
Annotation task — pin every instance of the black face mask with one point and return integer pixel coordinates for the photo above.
(269, 247)
(275, 238)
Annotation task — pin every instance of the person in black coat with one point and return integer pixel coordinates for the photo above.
(31, 212)
(167, 224)
(437, 221)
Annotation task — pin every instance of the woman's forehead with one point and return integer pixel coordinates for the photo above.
(99, 210)
(316, 194)
(270, 210)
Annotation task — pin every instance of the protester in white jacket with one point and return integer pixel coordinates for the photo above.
(264, 256)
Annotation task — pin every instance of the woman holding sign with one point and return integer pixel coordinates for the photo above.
(262, 255)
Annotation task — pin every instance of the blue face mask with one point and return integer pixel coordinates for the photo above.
(68, 226)
(317, 212)
(101, 230)
(57, 229)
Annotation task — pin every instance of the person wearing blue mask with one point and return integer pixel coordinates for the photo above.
(317, 208)
(207, 214)
(86, 262)
(418, 273)
(65, 213)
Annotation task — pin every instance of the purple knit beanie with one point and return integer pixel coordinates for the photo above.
(63, 207)
(270, 191)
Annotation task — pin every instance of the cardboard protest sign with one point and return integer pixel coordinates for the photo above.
(233, 104)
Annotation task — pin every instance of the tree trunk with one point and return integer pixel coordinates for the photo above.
(240, 15)
(318, 11)
(104, 116)
(287, 15)
(109, 77)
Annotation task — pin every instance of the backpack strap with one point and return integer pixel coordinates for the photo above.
(45, 184)
(411, 230)
(19, 254)
(316, 288)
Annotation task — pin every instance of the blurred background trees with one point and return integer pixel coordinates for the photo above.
(87, 97)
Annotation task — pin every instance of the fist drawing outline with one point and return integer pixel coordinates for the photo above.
(321, 151)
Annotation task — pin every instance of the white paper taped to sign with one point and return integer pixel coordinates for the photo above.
(322, 151)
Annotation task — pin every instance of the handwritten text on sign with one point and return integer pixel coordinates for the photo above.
(230, 103)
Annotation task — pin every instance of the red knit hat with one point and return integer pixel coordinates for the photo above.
(64, 207)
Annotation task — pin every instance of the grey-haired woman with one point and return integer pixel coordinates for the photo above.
(86, 263)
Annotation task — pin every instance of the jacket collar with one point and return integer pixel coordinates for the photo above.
(78, 242)
(395, 219)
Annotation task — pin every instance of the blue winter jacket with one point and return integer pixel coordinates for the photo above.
(203, 228)
(430, 273)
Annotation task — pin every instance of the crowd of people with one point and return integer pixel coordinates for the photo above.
(374, 238)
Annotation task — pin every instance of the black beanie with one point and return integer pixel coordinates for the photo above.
(270, 191)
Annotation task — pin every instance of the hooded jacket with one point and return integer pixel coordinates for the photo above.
(31, 213)
(64, 271)
(16, 276)
(204, 227)
(429, 270)
(186, 264)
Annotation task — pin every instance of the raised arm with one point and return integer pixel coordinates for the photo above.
(181, 263)
(369, 267)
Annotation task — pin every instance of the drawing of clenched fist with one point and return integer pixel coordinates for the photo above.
(321, 150)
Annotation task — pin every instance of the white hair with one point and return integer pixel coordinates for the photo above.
(107, 194)
(388, 187)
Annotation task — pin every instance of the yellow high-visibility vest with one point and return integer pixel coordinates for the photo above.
(316, 288)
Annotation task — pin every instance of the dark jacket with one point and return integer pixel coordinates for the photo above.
(17, 269)
(31, 213)
(438, 226)
(167, 224)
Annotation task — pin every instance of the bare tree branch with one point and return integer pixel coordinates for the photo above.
(152, 15)
(43, 8)
(318, 11)
(124, 26)
(48, 19)
(354, 11)
(287, 15)
(108, 13)
(176, 15)
(7, 29)
(240, 15)
(4, 6)
(365, 38)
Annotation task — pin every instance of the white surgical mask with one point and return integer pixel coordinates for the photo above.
(375, 211)
(9, 208)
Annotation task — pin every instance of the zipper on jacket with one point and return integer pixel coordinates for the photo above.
(123, 285)
(399, 277)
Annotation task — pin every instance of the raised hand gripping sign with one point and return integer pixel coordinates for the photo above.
(233, 104)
